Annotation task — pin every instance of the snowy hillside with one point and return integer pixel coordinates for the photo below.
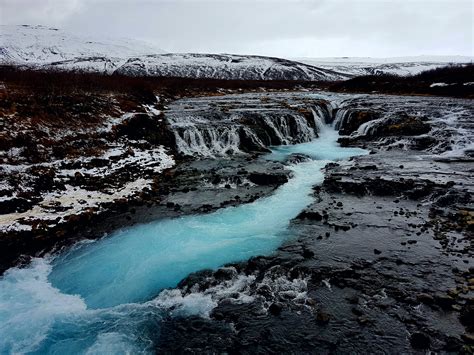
(40, 45)
(225, 66)
(396, 65)
(49, 48)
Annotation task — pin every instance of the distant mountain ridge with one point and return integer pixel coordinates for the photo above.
(225, 66)
(50, 48)
(41, 47)
(403, 66)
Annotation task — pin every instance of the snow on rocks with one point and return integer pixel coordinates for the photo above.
(58, 205)
(434, 85)
(55, 206)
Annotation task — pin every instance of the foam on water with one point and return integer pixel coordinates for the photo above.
(100, 297)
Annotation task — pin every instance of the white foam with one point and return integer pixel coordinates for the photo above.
(202, 303)
(29, 305)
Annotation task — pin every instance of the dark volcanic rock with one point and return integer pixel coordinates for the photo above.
(16, 205)
(275, 308)
(151, 129)
(315, 216)
(420, 340)
(267, 178)
(399, 125)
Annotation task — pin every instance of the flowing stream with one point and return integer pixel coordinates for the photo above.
(103, 296)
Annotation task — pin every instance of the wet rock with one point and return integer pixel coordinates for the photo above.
(420, 340)
(144, 127)
(297, 158)
(425, 298)
(322, 317)
(363, 320)
(275, 309)
(423, 143)
(468, 338)
(311, 215)
(225, 273)
(357, 311)
(206, 208)
(467, 316)
(400, 125)
(265, 291)
(307, 254)
(267, 178)
(444, 301)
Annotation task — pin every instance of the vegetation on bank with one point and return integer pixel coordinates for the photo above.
(455, 80)
(68, 82)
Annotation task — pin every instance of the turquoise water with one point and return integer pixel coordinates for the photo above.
(98, 296)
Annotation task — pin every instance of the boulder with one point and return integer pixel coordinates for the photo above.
(267, 179)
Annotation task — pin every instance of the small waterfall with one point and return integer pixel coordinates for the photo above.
(323, 114)
(367, 128)
(318, 116)
(213, 135)
(305, 132)
(253, 137)
(270, 124)
(209, 142)
(342, 115)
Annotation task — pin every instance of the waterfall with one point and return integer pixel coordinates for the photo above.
(323, 114)
(318, 116)
(209, 142)
(305, 132)
(367, 128)
(342, 114)
(270, 124)
(219, 134)
(253, 137)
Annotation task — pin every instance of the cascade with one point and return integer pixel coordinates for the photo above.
(211, 137)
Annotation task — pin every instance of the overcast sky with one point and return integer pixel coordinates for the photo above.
(291, 28)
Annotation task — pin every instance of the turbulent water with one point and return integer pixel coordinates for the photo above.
(103, 296)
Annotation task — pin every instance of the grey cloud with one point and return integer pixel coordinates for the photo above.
(280, 28)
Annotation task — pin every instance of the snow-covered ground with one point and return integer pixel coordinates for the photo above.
(42, 45)
(122, 169)
(225, 66)
(58, 205)
(395, 65)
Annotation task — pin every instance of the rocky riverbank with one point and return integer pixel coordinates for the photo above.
(381, 260)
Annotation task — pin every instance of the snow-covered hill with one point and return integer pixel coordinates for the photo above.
(40, 45)
(50, 48)
(225, 66)
(397, 65)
